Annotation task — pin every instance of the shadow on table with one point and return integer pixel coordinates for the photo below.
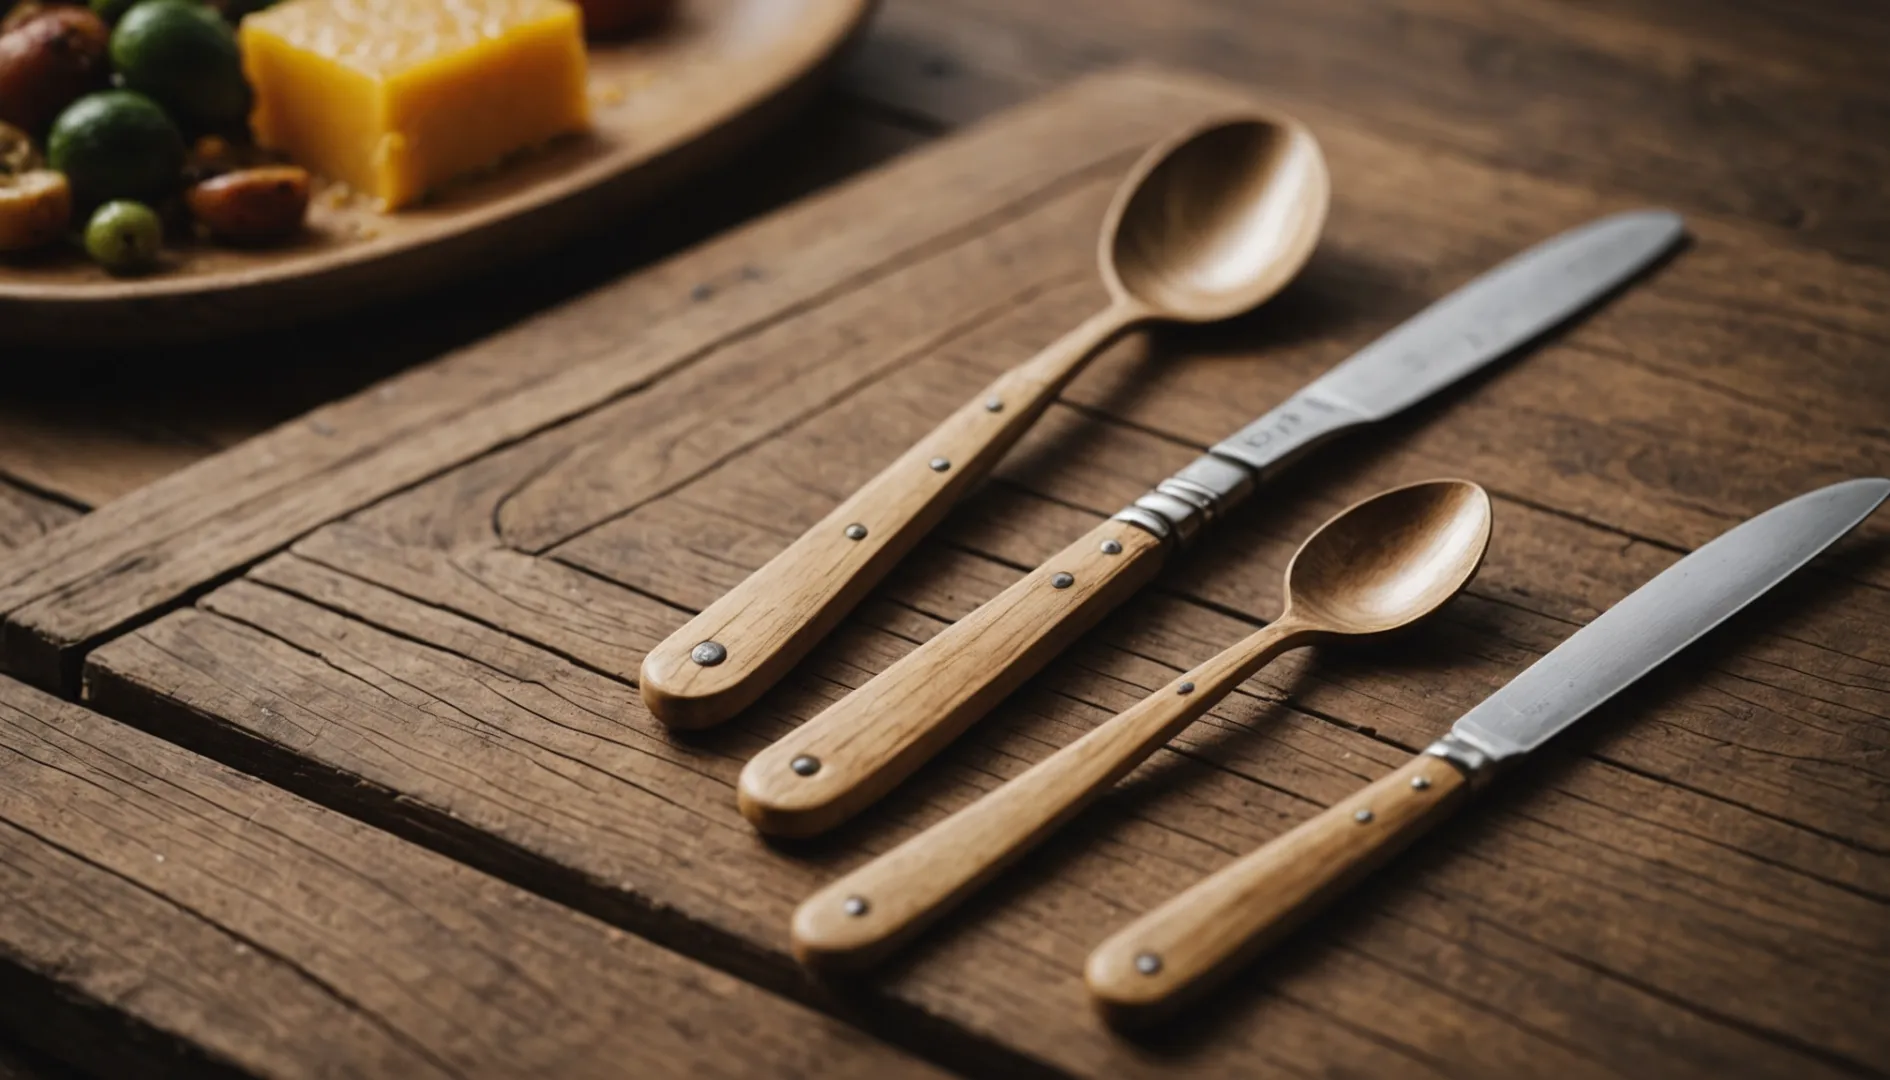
(88, 425)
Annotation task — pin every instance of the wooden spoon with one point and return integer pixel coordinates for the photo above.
(1377, 566)
(1205, 227)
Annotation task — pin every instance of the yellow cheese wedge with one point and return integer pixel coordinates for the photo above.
(395, 97)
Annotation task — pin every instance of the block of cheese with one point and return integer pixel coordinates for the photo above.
(395, 97)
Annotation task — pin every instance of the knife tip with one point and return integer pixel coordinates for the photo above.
(1653, 219)
(1872, 489)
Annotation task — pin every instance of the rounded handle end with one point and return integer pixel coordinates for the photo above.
(1128, 984)
(688, 696)
(782, 793)
(839, 931)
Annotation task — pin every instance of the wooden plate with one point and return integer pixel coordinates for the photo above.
(664, 105)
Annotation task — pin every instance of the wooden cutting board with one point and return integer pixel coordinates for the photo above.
(663, 105)
(422, 606)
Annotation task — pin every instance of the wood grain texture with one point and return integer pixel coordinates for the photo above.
(858, 919)
(1374, 568)
(1750, 109)
(449, 662)
(1210, 223)
(206, 521)
(663, 105)
(865, 744)
(327, 680)
(157, 901)
(26, 516)
(767, 624)
(1175, 955)
(1753, 109)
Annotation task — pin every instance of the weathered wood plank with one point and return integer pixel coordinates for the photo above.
(452, 662)
(1769, 112)
(86, 451)
(659, 440)
(552, 759)
(662, 840)
(1717, 76)
(1358, 286)
(1546, 575)
(401, 545)
(153, 897)
(26, 516)
(1739, 375)
(162, 541)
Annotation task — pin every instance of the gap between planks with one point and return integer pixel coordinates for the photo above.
(167, 915)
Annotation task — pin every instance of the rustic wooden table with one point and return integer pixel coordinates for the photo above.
(350, 778)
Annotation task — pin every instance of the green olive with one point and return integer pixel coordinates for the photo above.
(185, 57)
(124, 236)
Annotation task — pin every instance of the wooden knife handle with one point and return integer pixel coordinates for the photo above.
(1189, 944)
(859, 748)
(860, 918)
(725, 657)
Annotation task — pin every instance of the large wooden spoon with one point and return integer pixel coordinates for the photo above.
(1377, 566)
(1206, 227)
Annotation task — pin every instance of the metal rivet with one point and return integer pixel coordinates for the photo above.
(1185, 688)
(856, 531)
(1148, 963)
(1420, 782)
(709, 653)
(1062, 581)
(940, 464)
(993, 405)
(1112, 547)
(805, 765)
(1362, 816)
(854, 906)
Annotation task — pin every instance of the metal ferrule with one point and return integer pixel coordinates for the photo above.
(1477, 764)
(1196, 496)
(1147, 520)
(1225, 476)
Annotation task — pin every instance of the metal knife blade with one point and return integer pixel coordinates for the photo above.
(1499, 311)
(1659, 619)
(1489, 317)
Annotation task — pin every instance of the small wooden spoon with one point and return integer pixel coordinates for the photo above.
(1377, 566)
(1205, 227)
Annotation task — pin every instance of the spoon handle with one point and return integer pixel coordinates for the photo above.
(750, 637)
(860, 747)
(857, 920)
(1174, 953)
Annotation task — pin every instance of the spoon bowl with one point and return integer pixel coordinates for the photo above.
(1218, 220)
(1390, 560)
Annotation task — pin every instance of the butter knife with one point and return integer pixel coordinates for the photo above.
(1199, 937)
(863, 745)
